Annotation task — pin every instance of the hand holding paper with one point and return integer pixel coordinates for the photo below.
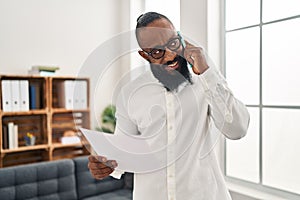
(131, 154)
(100, 167)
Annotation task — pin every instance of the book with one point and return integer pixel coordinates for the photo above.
(41, 73)
(35, 96)
(10, 135)
(66, 91)
(32, 99)
(15, 95)
(80, 94)
(6, 95)
(44, 68)
(24, 95)
(16, 137)
(5, 137)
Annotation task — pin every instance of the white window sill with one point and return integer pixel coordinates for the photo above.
(250, 192)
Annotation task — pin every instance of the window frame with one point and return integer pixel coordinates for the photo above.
(233, 180)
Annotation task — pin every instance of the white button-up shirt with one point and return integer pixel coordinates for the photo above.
(184, 125)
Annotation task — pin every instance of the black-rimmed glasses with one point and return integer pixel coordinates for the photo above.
(159, 51)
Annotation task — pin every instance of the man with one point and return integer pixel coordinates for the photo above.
(176, 111)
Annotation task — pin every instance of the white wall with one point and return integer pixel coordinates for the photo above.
(58, 32)
(193, 21)
(201, 21)
(53, 32)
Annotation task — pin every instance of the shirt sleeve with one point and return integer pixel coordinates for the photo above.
(124, 125)
(230, 115)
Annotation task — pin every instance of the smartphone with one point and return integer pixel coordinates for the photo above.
(183, 44)
(181, 39)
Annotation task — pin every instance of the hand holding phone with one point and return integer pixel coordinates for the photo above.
(200, 62)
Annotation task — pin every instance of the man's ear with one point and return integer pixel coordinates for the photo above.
(144, 55)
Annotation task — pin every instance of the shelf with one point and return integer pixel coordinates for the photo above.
(63, 110)
(30, 112)
(65, 125)
(25, 148)
(60, 145)
(13, 76)
(67, 78)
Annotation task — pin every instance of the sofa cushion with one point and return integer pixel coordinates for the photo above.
(46, 180)
(88, 186)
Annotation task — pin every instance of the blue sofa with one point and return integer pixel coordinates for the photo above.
(63, 179)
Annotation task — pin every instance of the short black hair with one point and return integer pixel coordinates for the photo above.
(144, 19)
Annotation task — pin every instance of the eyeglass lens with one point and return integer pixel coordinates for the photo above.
(159, 52)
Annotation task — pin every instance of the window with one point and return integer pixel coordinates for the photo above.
(263, 69)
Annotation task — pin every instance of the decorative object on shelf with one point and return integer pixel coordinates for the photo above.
(29, 139)
(70, 137)
(43, 70)
(108, 119)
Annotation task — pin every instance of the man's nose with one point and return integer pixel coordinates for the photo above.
(170, 55)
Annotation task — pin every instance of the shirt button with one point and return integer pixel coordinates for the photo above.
(170, 127)
(228, 118)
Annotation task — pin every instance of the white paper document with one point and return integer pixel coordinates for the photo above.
(132, 154)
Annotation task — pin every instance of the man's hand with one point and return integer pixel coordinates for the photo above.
(100, 167)
(194, 55)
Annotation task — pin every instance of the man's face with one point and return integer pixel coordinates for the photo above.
(162, 48)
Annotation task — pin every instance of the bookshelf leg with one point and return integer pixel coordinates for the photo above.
(50, 153)
(1, 161)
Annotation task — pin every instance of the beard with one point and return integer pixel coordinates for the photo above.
(172, 79)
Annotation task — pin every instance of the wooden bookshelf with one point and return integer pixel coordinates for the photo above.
(48, 121)
(30, 112)
(26, 148)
